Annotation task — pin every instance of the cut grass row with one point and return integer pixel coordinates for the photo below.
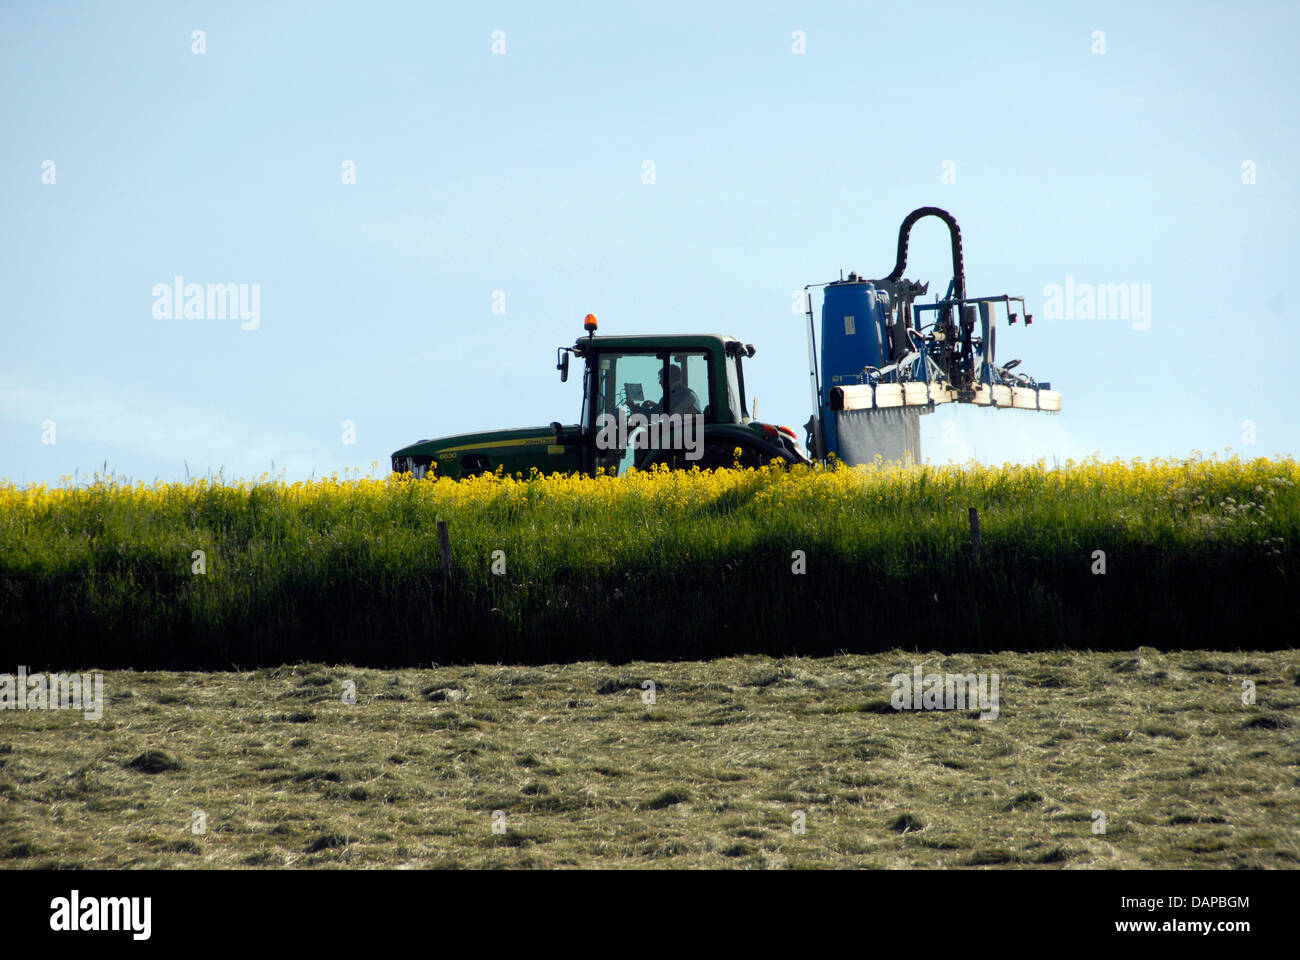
(271, 768)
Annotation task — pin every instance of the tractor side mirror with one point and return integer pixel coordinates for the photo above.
(563, 366)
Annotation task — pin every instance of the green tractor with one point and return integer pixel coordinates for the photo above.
(646, 400)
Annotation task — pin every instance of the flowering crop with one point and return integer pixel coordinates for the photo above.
(111, 555)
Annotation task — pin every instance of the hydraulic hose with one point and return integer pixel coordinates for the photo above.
(958, 263)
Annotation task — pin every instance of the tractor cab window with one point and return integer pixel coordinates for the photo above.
(628, 382)
(736, 391)
(656, 387)
(623, 384)
(689, 389)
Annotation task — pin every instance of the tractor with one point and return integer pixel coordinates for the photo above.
(675, 400)
(679, 400)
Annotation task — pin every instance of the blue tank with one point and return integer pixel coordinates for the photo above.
(853, 331)
(853, 338)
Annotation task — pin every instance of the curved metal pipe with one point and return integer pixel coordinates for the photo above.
(958, 264)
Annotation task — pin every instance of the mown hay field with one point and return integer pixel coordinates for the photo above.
(1095, 760)
(210, 574)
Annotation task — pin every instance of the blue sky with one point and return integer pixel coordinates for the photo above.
(522, 172)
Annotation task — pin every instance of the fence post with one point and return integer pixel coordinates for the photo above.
(974, 534)
(444, 547)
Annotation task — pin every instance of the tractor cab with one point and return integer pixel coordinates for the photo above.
(678, 400)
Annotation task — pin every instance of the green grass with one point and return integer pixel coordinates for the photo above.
(714, 774)
(660, 567)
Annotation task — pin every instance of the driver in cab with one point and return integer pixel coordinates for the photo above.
(681, 398)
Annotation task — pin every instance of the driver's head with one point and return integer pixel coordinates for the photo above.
(674, 375)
